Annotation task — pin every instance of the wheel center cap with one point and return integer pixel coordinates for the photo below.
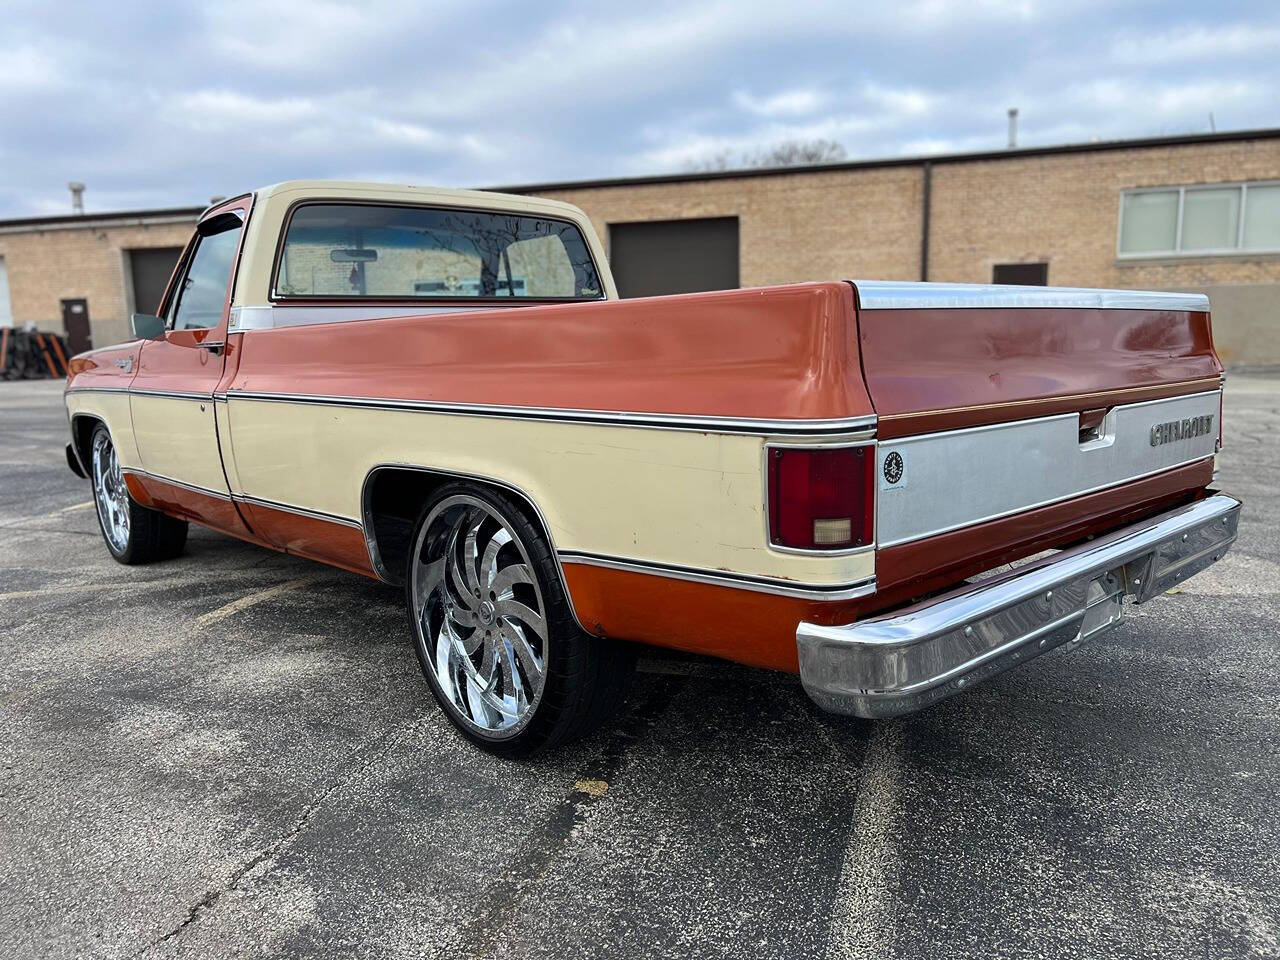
(487, 613)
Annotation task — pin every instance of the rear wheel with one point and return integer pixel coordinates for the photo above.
(494, 631)
(134, 533)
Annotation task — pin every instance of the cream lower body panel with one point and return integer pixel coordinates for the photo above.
(177, 438)
(112, 408)
(675, 497)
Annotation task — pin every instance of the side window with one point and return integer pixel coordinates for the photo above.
(203, 291)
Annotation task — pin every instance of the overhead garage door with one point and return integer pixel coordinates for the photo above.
(674, 256)
(150, 270)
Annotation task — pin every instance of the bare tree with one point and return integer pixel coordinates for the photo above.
(788, 153)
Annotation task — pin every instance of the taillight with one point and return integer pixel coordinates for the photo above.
(821, 499)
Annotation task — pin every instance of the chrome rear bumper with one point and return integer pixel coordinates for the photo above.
(909, 659)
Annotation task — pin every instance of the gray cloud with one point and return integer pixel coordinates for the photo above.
(168, 104)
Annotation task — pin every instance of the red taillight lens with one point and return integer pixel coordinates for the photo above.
(821, 499)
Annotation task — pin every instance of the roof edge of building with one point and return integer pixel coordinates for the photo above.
(171, 214)
(1267, 133)
(131, 217)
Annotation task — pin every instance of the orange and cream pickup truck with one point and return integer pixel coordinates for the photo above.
(896, 490)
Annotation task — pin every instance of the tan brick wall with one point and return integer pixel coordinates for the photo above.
(48, 266)
(1061, 208)
(813, 226)
(1065, 209)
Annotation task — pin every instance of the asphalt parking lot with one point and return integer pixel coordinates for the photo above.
(234, 754)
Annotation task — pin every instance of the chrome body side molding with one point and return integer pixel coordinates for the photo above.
(206, 491)
(720, 578)
(297, 511)
(909, 659)
(846, 428)
(144, 392)
(916, 295)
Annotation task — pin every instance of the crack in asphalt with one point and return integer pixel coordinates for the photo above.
(502, 900)
(375, 749)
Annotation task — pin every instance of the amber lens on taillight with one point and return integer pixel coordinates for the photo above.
(821, 499)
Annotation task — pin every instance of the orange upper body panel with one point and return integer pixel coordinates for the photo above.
(799, 352)
(781, 353)
(106, 367)
(940, 369)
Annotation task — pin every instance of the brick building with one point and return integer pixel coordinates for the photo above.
(84, 275)
(1177, 213)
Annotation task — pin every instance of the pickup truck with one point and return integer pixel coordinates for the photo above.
(894, 489)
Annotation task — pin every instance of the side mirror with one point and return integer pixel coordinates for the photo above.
(147, 327)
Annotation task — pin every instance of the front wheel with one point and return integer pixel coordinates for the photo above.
(134, 533)
(494, 631)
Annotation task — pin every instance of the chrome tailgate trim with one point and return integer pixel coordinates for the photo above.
(958, 478)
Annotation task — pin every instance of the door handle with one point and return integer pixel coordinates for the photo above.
(214, 348)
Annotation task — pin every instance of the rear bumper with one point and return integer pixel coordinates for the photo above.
(914, 657)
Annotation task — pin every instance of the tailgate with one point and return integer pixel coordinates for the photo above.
(1000, 406)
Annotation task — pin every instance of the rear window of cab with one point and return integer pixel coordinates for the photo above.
(385, 252)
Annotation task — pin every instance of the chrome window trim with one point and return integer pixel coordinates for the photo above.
(281, 316)
(867, 441)
(917, 295)
(720, 578)
(744, 426)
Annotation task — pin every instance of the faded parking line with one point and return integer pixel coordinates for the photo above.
(253, 599)
(863, 923)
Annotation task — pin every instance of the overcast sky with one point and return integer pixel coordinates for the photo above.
(170, 103)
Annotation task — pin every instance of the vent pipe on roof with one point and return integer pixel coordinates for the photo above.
(1013, 127)
(77, 197)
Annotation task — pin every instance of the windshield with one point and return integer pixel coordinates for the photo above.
(391, 252)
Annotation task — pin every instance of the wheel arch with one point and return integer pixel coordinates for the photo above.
(393, 494)
(82, 427)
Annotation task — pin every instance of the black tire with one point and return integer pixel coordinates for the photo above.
(585, 677)
(150, 535)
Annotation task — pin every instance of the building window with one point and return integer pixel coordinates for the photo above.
(1200, 221)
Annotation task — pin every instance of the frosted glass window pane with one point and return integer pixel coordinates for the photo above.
(1210, 219)
(1262, 218)
(1149, 222)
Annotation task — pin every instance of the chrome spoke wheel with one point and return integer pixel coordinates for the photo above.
(109, 493)
(479, 616)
